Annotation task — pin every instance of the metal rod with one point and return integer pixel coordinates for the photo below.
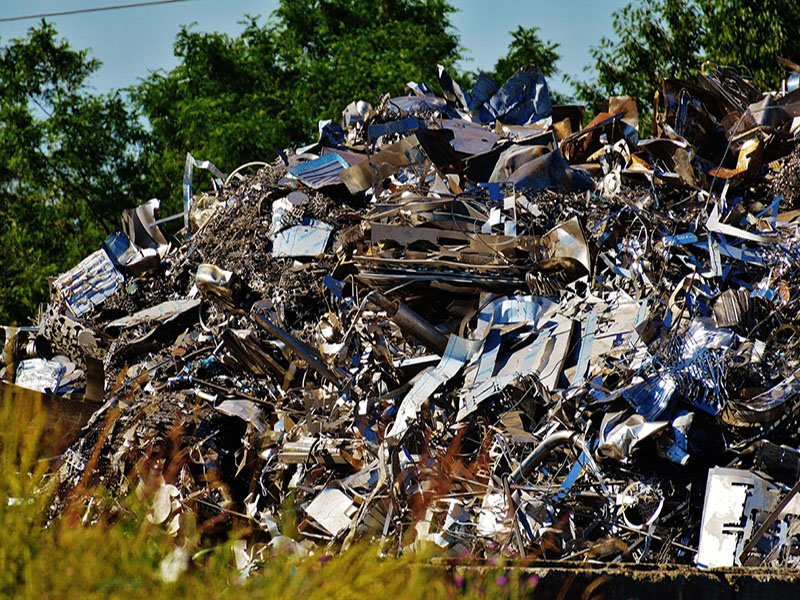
(411, 323)
(771, 518)
(550, 443)
(513, 510)
(309, 355)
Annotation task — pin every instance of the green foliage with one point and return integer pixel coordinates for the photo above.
(22, 511)
(526, 47)
(99, 548)
(672, 38)
(234, 100)
(229, 100)
(347, 49)
(654, 39)
(752, 35)
(69, 165)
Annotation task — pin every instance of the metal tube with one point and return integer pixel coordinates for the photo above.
(309, 355)
(411, 323)
(545, 447)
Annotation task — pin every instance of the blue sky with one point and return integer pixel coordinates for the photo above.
(132, 42)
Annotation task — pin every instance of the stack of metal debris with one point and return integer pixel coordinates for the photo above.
(465, 320)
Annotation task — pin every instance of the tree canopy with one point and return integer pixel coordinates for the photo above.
(73, 159)
(752, 35)
(234, 100)
(526, 47)
(672, 38)
(69, 165)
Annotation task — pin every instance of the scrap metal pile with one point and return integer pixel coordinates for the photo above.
(463, 320)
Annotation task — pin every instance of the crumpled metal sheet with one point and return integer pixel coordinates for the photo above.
(89, 283)
(505, 333)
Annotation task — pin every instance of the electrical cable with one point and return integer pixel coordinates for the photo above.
(88, 10)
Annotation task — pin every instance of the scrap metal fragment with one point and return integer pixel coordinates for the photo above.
(89, 283)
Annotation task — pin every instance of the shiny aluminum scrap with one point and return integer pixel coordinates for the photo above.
(471, 321)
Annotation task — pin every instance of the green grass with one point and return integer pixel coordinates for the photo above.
(102, 548)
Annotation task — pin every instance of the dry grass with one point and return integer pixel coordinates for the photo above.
(117, 553)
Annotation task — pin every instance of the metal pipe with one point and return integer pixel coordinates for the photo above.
(515, 520)
(309, 355)
(411, 323)
(545, 447)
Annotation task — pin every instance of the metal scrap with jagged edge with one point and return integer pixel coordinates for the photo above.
(473, 321)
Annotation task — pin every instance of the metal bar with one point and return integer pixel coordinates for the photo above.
(771, 518)
(550, 443)
(513, 510)
(309, 355)
(411, 323)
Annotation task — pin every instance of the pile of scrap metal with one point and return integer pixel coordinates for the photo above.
(467, 321)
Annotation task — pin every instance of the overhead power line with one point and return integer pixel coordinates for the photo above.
(88, 10)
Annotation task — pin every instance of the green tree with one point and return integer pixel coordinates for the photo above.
(346, 49)
(229, 100)
(236, 99)
(526, 47)
(672, 38)
(653, 40)
(752, 35)
(68, 165)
